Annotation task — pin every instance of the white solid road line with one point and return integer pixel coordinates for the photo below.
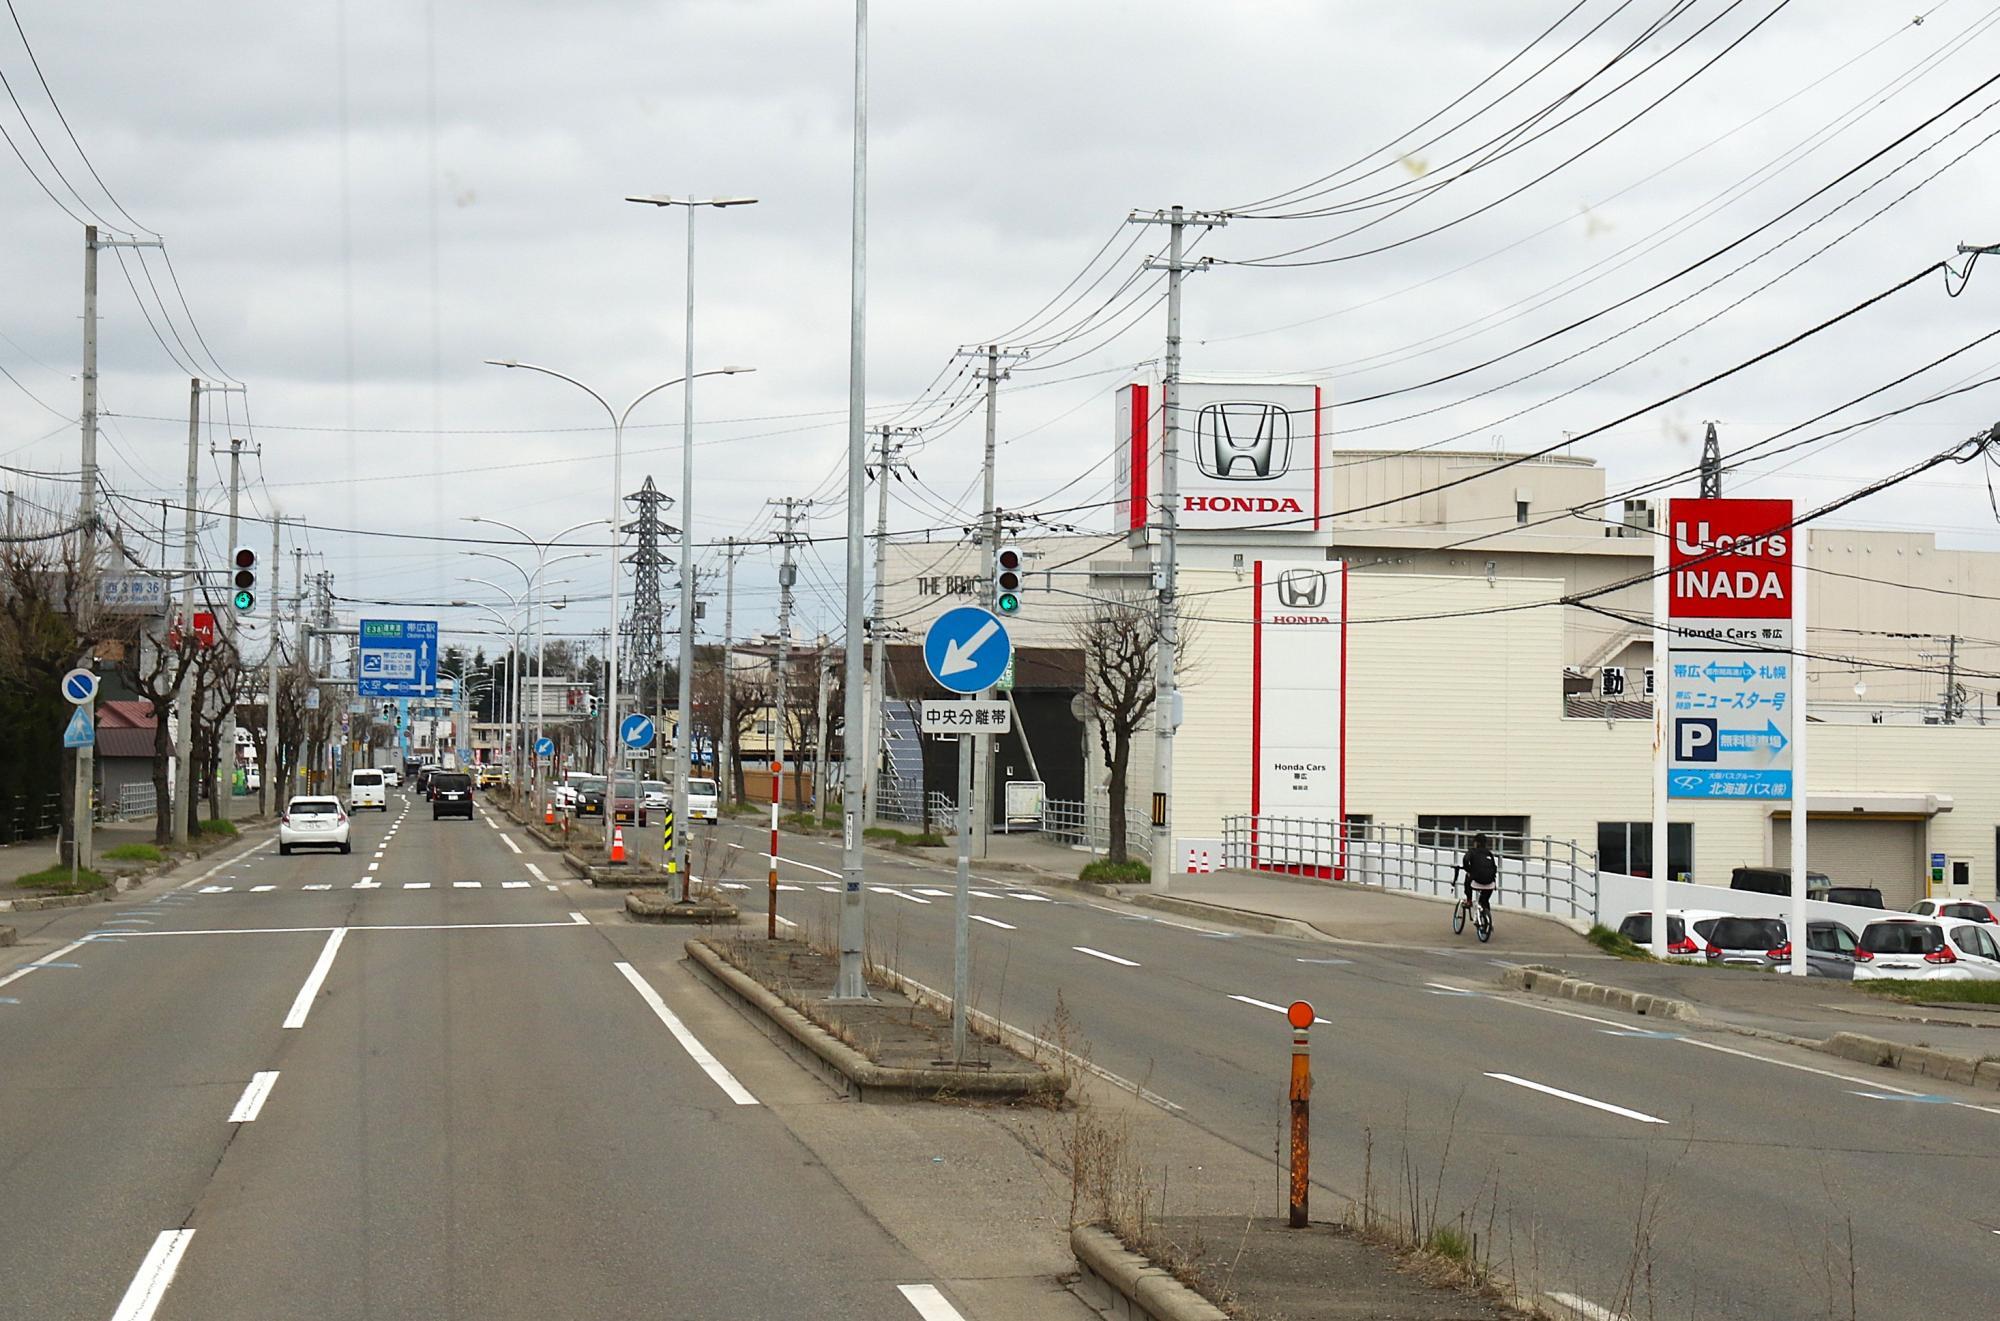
(1590, 1311)
(993, 922)
(19, 973)
(1100, 954)
(156, 1272)
(508, 840)
(1276, 1009)
(1559, 1093)
(315, 979)
(253, 1096)
(699, 1053)
(792, 861)
(930, 1303)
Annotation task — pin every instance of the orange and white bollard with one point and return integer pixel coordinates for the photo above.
(617, 844)
(1300, 1016)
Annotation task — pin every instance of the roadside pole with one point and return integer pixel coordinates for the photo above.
(771, 881)
(961, 898)
(184, 698)
(269, 789)
(1662, 730)
(1800, 966)
(1300, 1015)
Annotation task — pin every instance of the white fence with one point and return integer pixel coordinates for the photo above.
(134, 801)
(1539, 874)
(1088, 825)
(1620, 895)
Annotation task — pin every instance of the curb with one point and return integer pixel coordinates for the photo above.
(652, 906)
(848, 1070)
(1921, 1060)
(1219, 913)
(1123, 1284)
(40, 903)
(8, 936)
(628, 876)
(1611, 997)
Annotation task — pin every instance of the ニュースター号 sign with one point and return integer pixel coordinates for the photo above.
(1729, 677)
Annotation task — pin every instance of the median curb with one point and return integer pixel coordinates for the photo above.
(605, 876)
(8, 936)
(1545, 982)
(845, 1068)
(1223, 915)
(1922, 1060)
(1120, 1283)
(653, 906)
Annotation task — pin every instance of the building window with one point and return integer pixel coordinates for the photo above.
(1626, 848)
(1521, 512)
(1507, 834)
(1359, 827)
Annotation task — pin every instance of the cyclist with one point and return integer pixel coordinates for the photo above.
(1482, 875)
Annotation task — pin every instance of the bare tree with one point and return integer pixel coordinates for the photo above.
(39, 642)
(751, 696)
(156, 672)
(1119, 639)
(218, 679)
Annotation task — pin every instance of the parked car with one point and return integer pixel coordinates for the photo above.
(1687, 930)
(1927, 949)
(1966, 910)
(1777, 880)
(1830, 950)
(313, 823)
(451, 794)
(1765, 942)
(701, 800)
(365, 789)
(1857, 896)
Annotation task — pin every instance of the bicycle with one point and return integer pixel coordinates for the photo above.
(1482, 917)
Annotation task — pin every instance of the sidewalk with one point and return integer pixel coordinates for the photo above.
(33, 855)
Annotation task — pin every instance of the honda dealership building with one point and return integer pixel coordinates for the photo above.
(1407, 662)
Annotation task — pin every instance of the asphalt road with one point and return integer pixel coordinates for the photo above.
(1637, 1172)
(410, 1082)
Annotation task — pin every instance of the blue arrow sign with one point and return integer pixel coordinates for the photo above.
(398, 658)
(967, 649)
(1740, 673)
(1752, 740)
(81, 733)
(545, 747)
(636, 731)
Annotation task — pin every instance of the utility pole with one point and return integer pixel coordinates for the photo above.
(820, 740)
(268, 788)
(184, 696)
(787, 575)
(1954, 700)
(989, 543)
(725, 748)
(1166, 699)
(888, 459)
(1711, 465)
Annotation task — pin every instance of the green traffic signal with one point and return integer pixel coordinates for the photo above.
(244, 600)
(1009, 603)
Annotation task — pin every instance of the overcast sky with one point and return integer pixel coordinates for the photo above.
(366, 199)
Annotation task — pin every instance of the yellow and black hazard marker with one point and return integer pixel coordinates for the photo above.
(667, 843)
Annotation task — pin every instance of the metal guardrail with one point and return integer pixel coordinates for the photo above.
(135, 801)
(1537, 873)
(1088, 825)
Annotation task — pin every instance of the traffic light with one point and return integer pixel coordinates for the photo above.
(244, 578)
(1007, 580)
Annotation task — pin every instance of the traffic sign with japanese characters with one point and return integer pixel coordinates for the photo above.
(965, 718)
(1730, 680)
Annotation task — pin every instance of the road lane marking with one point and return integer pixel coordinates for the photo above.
(883, 889)
(536, 872)
(783, 921)
(935, 894)
(374, 866)
(465, 885)
(514, 885)
(252, 1100)
(1266, 1004)
(930, 1303)
(699, 1053)
(416, 885)
(229, 861)
(262, 889)
(317, 887)
(993, 922)
(215, 889)
(1590, 1311)
(1559, 1093)
(122, 921)
(46, 960)
(1030, 896)
(1100, 954)
(156, 1272)
(792, 861)
(1328, 962)
(508, 840)
(982, 894)
(1921, 1098)
(578, 919)
(827, 889)
(366, 885)
(315, 979)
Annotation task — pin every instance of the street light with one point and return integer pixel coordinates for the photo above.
(686, 739)
(514, 647)
(542, 549)
(542, 563)
(617, 501)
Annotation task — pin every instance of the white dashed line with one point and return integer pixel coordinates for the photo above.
(1557, 1092)
(883, 889)
(699, 1053)
(508, 840)
(1266, 1004)
(931, 1305)
(578, 919)
(536, 872)
(156, 1273)
(1100, 954)
(416, 885)
(514, 885)
(993, 922)
(262, 889)
(317, 887)
(252, 1100)
(465, 885)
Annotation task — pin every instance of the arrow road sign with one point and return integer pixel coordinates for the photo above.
(81, 733)
(966, 649)
(1738, 672)
(78, 687)
(398, 658)
(1753, 740)
(636, 731)
(545, 747)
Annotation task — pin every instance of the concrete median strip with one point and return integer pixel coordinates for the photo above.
(1611, 997)
(1121, 1283)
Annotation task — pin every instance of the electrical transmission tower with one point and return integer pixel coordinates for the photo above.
(642, 631)
(1711, 465)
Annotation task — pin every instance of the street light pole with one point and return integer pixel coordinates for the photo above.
(685, 740)
(617, 503)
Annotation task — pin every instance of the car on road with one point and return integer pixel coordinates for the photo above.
(366, 789)
(491, 777)
(424, 772)
(451, 794)
(1687, 930)
(313, 822)
(1765, 942)
(658, 796)
(701, 800)
(626, 807)
(1927, 949)
(392, 777)
(586, 795)
(1967, 910)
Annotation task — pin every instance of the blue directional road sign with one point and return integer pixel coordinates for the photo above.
(399, 658)
(545, 747)
(80, 733)
(967, 649)
(636, 731)
(79, 686)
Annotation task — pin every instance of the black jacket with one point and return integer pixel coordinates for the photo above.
(1481, 867)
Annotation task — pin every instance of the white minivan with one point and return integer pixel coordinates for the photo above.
(366, 789)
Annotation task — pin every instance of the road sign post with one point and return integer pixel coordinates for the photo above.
(1300, 1016)
(966, 650)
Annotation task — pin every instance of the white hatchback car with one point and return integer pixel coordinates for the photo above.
(311, 822)
(1944, 949)
(701, 800)
(1687, 930)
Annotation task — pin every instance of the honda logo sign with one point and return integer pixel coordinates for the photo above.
(1243, 441)
(1249, 456)
(1301, 589)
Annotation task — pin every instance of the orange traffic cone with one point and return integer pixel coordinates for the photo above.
(617, 844)
(549, 813)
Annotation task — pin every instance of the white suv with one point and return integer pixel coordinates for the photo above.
(313, 823)
(1944, 949)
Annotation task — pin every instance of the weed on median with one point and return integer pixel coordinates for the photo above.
(134, 853)
(1921, 992)
(1105, 871)
(1614, 943)
(56, 880)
